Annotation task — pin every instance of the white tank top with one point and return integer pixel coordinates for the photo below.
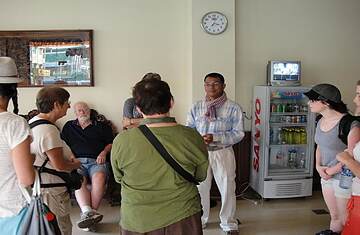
(356, 180)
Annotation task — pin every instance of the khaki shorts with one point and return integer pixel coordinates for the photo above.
(60, 205)
(338, 191)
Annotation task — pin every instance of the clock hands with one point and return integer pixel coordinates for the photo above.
(214, 22)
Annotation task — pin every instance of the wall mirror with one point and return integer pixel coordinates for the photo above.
(50, 57)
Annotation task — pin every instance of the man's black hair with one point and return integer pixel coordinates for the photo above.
(215, 75)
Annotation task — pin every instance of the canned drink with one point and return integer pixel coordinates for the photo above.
(296, 108)
(298, 119)
(293, 119)
(303, 119)
(288, 119)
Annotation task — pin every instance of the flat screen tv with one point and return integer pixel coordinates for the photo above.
(284, 73)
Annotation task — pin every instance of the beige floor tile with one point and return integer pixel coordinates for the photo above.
(272, 217)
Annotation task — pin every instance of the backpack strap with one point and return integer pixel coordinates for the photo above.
(40, 122)
(42, 168)
(345, 126)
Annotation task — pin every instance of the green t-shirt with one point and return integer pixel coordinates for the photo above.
(153, 195)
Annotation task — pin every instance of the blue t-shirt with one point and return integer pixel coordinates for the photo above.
(129, 110)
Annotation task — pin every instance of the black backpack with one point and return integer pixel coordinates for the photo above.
(345, 126)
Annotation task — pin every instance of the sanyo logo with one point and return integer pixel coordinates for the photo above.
(257, 134)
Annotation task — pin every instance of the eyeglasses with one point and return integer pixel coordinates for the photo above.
(206, 84)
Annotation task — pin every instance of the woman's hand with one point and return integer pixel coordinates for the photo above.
(334, 169)
(322, 172)
(344, 157)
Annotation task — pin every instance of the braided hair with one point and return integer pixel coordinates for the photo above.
(8, 90)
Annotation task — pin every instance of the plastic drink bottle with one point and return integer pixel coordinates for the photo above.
(346, 177)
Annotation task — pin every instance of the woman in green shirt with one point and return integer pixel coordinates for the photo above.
(155, 198)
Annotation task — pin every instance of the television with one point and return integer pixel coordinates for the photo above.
(284, 73)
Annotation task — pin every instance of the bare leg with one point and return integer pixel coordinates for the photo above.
(331, 203)
(83, 194)
(98, 187)
(342, 209)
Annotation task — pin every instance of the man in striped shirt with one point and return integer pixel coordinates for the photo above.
(219, 120)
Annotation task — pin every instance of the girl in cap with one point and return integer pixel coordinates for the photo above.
(325, 99)
(16, 162)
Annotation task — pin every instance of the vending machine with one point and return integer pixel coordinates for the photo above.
(282, 142)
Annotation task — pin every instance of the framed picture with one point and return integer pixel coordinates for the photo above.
(49, 57)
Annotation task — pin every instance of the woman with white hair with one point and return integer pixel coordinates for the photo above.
(16, 161)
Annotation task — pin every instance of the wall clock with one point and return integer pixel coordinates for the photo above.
(214, 22)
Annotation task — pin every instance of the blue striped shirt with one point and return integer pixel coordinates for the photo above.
(227, 128)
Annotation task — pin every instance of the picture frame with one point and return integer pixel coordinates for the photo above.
(51, 57)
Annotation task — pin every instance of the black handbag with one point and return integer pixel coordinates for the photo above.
(73, 180)
(166, 156)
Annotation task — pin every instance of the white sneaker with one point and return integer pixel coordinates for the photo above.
(88, 219)
(90, 229)
(97, 217)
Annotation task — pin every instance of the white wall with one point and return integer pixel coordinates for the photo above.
(212, 53)
(132, 37)
(323, 34)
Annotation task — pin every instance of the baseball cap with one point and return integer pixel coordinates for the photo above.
(325, 92)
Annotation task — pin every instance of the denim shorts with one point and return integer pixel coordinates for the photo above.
(89, 167)
(338, 191)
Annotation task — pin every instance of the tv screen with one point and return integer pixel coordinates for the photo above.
(286, 71)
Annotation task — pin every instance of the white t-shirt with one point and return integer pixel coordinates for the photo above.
(45, 138)
(13, 131)
(356, 180)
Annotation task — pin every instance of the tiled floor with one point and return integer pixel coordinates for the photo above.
(272, 217)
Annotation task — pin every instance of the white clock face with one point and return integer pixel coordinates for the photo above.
(214, 22)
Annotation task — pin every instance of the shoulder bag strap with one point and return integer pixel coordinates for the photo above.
(40, 122)
(165, 155)
(42, 168)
